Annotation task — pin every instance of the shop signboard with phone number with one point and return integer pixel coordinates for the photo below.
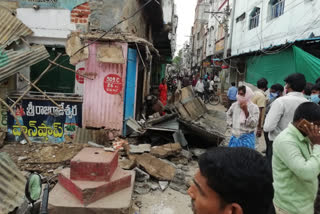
(112, 84)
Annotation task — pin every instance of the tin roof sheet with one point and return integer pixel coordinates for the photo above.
(11, 28)
(12, 184)
(12, 62)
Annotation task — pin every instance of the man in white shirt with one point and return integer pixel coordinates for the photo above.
(200, 88)
(282, 109)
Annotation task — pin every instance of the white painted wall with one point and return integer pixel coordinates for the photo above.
(300, 19)
(50, 26)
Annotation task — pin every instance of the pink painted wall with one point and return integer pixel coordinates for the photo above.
(102, 109)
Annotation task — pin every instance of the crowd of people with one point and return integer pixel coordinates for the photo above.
(239, 180)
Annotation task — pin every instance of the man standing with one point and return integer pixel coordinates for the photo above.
(243, 117)
(232, 181)
(276, 91)
(260, 100)
(232, 94)
(200, 88)
(282, 109)
(296, 162)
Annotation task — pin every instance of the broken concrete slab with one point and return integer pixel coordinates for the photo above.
(186, 154)
(88, 192)
(63, 202)
(179, 182)
(127, 164)
(156, 167)
(166, 150)
(141, 175)
(93, 164)
(163, 185)
(139, 149)
(179, 160)
(142, 188)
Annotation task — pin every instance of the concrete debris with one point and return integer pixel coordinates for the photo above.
(179, 160)
(186, 154)
(179, 182)
(95, 145)
(119, 144)
(58, 170)
(179, 137)
(154, 186)
(156, 167)
(139, 149)
(163, 185)
(23, 142)
(166, 150)
(198, 152)
(22, 158)
(141, 175)
(142, 188)
(127, 164)
(109, 149)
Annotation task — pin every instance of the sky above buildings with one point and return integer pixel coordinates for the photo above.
(185, 11)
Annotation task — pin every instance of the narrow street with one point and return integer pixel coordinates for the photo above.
(159, 106)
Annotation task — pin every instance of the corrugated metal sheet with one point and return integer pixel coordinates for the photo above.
(11, 28)
(12, 184)
(100, 109)
(12, 62)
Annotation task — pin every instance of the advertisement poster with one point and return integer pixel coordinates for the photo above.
(45, 122)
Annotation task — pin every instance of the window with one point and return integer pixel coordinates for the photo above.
(198, 36)
(241, 18)
(254, 18)
(277, 8)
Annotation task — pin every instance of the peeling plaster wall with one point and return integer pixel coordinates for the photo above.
(106, 13)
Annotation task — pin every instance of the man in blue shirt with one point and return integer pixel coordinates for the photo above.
(232, 94)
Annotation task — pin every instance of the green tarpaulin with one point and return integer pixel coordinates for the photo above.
(276, 67)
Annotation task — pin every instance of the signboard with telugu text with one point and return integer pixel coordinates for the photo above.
(45, 122)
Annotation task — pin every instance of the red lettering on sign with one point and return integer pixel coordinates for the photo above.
(112, 84)
(80, 78)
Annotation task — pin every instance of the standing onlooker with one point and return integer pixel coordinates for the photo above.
(276, 91)
(307, 91)
(315, 93)
(296, 162)
(243, 118)
(211, 87)
(260, 100)
(282, 109)
(232, 94)
(232, 181)
(200, 88)
(163, 92)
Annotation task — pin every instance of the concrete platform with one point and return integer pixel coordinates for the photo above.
(93, 164)
(90, 191)
(63, 202)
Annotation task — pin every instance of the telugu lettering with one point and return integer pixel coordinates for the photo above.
(41, 131)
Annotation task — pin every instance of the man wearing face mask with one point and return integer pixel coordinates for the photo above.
(276, 91)
(243, 118)
(315, 92)
(282, 109)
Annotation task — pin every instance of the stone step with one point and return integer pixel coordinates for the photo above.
(63, 202)
(93, 164)
(90, 191)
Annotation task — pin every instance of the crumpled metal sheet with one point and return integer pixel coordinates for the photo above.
(11, 28)
(12, 184)
(12, 62)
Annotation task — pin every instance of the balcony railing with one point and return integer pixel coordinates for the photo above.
(254, 22)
